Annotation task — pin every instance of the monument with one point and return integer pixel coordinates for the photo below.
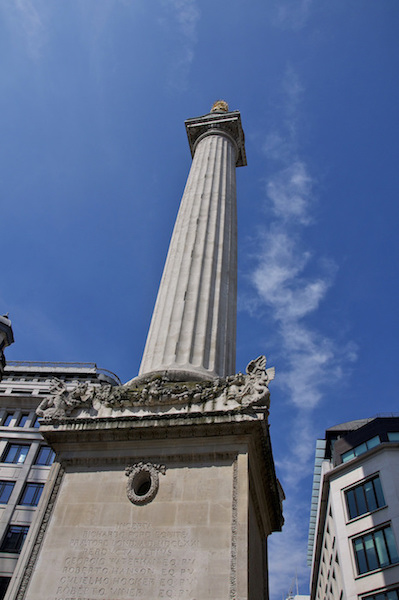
(165, 487)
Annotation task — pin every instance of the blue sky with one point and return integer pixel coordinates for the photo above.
(93, 162)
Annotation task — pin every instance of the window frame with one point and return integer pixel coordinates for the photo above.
(4, 483)
(7, 450)
(346, 456)
(19, 539)
(49, 461)
(25, 418)
(382, 593)
(376, 548)
(38, 490)
(361, 484)
(8, 417)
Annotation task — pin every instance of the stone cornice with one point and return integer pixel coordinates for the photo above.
(159, 397)
(225, 123)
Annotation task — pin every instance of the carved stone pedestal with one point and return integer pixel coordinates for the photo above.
(160, 490)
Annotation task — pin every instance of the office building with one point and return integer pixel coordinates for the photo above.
(354, 526)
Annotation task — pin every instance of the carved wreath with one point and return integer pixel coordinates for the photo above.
(143, 482)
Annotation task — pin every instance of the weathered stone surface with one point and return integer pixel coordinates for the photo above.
(189, 539)
(159, 395)
(100, 545)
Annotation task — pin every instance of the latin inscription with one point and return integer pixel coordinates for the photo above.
(129, 562)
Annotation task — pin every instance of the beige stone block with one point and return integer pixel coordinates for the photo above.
(192, 513)
(82, 514)
(217, 489)
(158, 513)
(171, 486)
(220, 513)
(114, 513)
(215, 537)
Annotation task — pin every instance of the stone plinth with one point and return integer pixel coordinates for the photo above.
(160, 491)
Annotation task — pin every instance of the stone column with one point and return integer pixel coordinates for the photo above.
(193, 327)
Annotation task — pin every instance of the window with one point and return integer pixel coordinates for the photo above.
(4, 581)
(14, 539)
(360, 449)
(365, 497)
(22, 420)
(393, 436)
(36, 423)
(45, 457)
(15, 453)
(6, 487)
(31, 494)
(374, 550)
(8, 419)
(387, 595)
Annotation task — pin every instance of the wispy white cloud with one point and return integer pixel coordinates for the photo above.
(292, 282)
(30, 16)
(292, 14)
(290, 192)
(182, 17)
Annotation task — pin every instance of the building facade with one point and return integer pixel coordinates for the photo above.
(25, 458)
(354, 527)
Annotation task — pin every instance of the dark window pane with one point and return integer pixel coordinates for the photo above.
(364, 498)
(373, 442)
(8, 420)
(6, 487)
(4, 581)
(391, 595)
(348, 455)
(360, 449)
(31, 494)
(374, 550)
(383, 558)
(371, 555)
(378, 492)
(350, 496)
(14, 539)
(16, 453)
(36, 423)
(393, 554)
(45, 456)
(370, 496)
(360, 556)
(23, 420)
(360, 499)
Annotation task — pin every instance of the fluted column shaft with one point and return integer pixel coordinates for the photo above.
(193, 326)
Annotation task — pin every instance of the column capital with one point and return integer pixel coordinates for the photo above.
(229, 123)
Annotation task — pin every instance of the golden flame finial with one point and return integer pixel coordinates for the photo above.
(220, 106)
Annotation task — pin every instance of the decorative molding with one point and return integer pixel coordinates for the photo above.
(143, 476)
(234, 526)
(30, 567)
(158, 395)
(172, 458)
(218, 121)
